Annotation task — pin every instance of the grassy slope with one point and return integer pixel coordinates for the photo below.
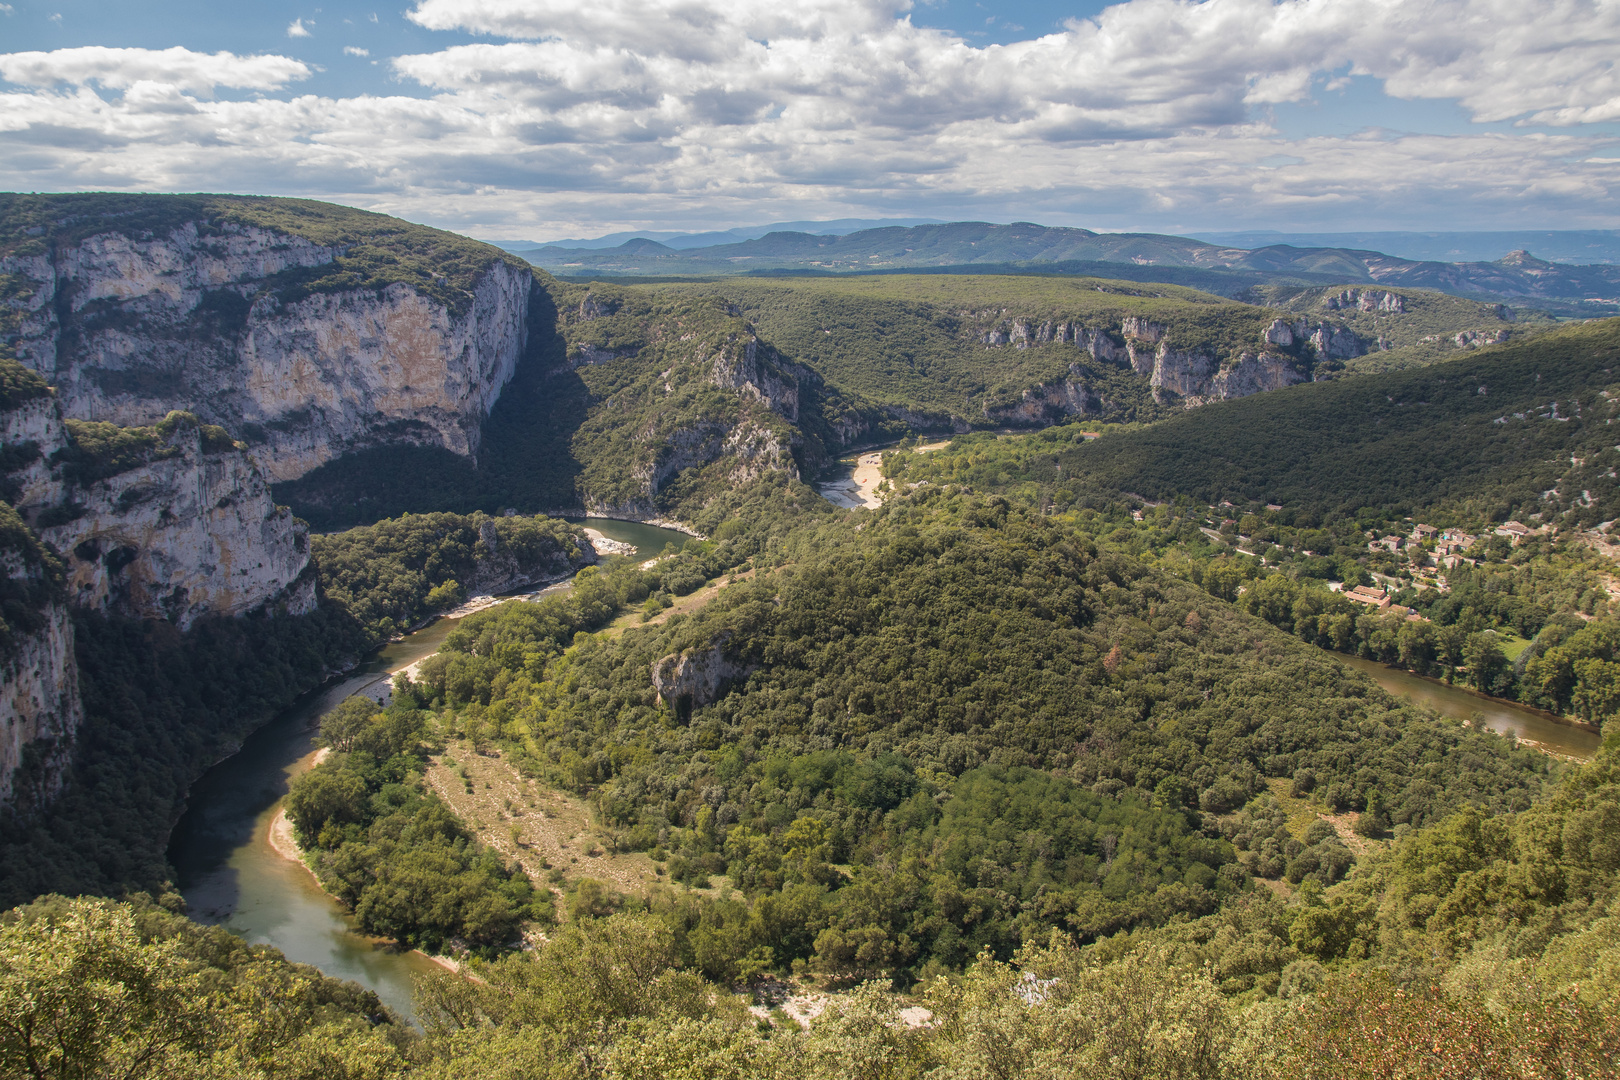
(1395, 441)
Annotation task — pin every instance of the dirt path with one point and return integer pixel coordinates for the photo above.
(683, 605)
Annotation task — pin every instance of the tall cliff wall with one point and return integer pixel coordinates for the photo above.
(215, 317)
(173, 521)
(1282, 355)
(40, 710)
(170, 522)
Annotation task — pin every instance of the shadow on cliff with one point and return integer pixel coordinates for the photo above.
(525, 461)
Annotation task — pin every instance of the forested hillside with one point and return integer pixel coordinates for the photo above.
(1487, 433)
(1049, 749)
(919, 342)
(652, 398)
(878, 702)
(882, 855)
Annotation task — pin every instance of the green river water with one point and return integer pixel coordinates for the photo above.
(1535, 728)
(229, 873)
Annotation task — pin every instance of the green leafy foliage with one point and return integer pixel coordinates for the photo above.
(160, 708)
(97, 449)
(391, 851)
(18, 384)
(1478, 436)
(391, 575)
(887, 660)
(95, 988)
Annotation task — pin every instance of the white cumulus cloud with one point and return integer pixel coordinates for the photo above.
(119, 69)
(1155, 112)
(297, 29)
(355, 50)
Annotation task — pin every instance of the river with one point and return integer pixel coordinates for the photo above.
(231, 876)
(1534, 728)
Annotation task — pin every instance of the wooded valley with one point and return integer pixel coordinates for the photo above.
(1042, 762)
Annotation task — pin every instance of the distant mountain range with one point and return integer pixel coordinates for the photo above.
(1027, 247)
(1561, 246)
(683, 241)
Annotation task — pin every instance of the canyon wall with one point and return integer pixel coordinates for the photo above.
(172, 522)
(40, 710)
(214, 319)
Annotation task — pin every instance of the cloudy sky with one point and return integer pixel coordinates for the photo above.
(549, 118)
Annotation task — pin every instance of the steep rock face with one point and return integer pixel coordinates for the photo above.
(181, 537)
(1197, 380)
(40, 710)
(34, 429)
(762, 376)
(696, 677)
(1185, 376)
(1384, 303)
(185, 528)
(1051, 403)
(740, 442)
(128, 329)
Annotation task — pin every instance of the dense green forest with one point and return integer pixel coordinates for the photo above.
(391, 575)
(1044, 745)
(160, 707)
(1409, 969)
(392, 852)
(893, 679)
(1541, 594)
(1481, 436)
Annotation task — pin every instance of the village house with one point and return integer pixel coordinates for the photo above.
(1453, 541)
(1424, 532)
(1388, 543)
(1366, 594)
(1513, 531)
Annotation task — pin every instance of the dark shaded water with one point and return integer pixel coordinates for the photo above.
(229, 873)
(1530, 726)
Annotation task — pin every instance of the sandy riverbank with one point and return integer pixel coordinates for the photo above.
(860, 489)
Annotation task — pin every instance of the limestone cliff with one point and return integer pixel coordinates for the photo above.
(173, 521)
(306, 350)
(686, 392)
(695, 677)
(40, 711)
(1281, 356)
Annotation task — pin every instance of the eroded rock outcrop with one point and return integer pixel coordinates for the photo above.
(172, 522)
(207, 317)
(1373, 300)
(698, 676)
(40, 710)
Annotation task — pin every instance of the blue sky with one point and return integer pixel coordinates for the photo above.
(383, 30)
(541, 118)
